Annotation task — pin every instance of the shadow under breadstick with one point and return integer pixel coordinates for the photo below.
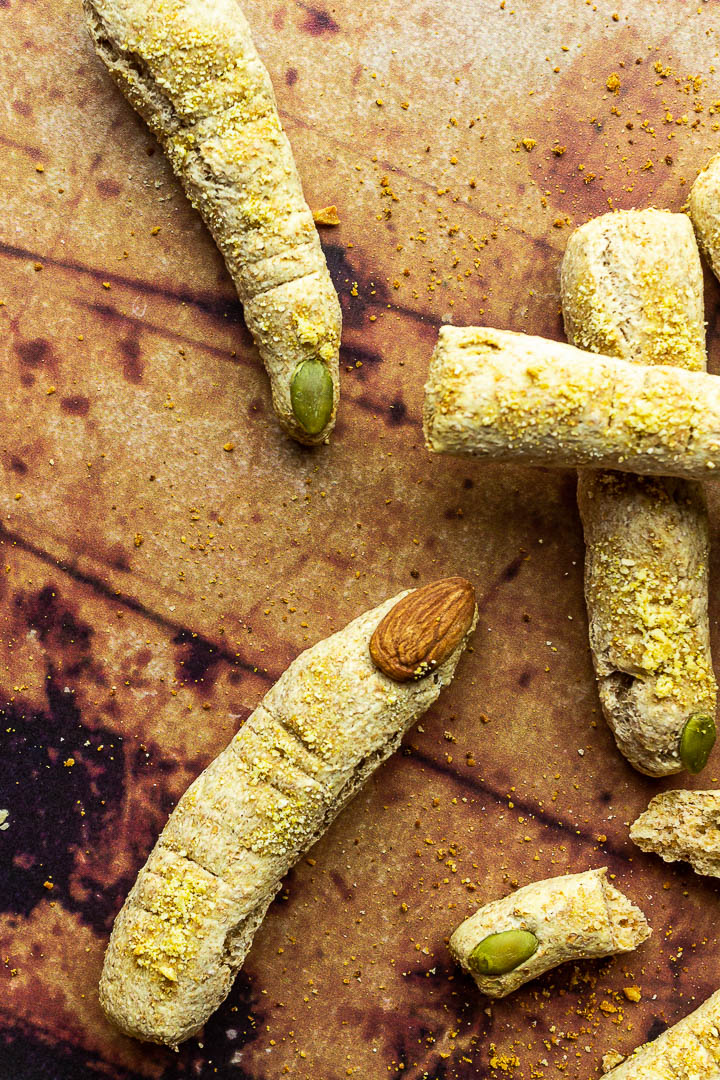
(191, 70)
(632, 287)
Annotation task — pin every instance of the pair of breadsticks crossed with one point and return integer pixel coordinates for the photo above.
(632, 289)
(191, 70)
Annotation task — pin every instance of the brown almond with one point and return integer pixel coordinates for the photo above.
(423, 629)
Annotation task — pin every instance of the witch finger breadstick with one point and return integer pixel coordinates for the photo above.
(704, 209)
(574, 917)
(688, 1051)
(191, 70)
(682, 825)
(512, 397)
(338, 711)
(632, 287)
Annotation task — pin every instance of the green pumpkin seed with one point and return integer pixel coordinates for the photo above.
(500, 953)
(311, 395)
(696, 742)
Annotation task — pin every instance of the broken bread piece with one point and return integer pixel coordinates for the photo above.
(682, 825)
(328, 722)
(688, 1051)
(574, 917)
(704, 210)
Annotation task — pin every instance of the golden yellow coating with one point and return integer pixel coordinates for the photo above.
(632, 287)
(191, 70)
(573, 917)
(179, 902)
(512, 397)
(688, 1051)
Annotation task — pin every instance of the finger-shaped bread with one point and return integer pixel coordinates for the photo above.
(632, 287)
(574, 917)
(503, 396)
(704, 209)
(688, 1051)
(323, 728)
(682, 825)
(191, 70)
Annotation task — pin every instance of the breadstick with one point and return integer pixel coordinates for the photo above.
(704, 210)
(575, 917)
(191, 70)
(319, 733)
(688, 1051)
(682, 825)
(512, 397)
(632, 287)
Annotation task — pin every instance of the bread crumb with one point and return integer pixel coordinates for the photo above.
(327, 216)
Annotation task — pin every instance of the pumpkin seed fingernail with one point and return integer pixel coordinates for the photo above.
(696, 742)
(311, 395)
(500, 953)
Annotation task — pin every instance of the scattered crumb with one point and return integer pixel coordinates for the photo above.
(327, 216)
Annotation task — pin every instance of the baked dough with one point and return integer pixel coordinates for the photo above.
(682, 825)
(704, 210)
(189, 920)
(503, 396)
(573, 917)
(632, 287)
(191, 70)
(688, 1051)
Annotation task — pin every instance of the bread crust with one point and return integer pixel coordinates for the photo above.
(688, 1051)
(512, 397)
(191, 70)
(632, 287)
(682, 825)
(574, 917)
(704, 209)
(189, 920)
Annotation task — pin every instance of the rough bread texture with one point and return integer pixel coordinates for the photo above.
(506, 396)
(191, 70)
(574, 917)
(632, 287)
(682, 825)
(189, 920)
(503, 396)
(704, 210)
(688, 1051)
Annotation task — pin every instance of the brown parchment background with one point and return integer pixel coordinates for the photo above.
(153, 584)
